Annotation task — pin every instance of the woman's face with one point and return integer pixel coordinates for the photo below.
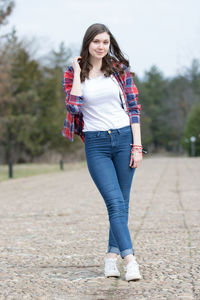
(99, 46)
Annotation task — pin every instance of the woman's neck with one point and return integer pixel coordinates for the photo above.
(96, 63)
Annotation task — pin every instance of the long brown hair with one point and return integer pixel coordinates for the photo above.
(111, 62)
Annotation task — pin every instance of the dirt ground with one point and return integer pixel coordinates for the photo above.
(54, 234)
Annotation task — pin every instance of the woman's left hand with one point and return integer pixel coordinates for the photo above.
(136, 158)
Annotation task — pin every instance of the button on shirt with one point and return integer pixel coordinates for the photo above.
(102, 109)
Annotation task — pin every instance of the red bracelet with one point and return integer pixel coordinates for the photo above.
(136, 146)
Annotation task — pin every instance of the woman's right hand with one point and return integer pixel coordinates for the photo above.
(76, 65)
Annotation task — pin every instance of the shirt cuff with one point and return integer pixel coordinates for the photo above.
(135, 119)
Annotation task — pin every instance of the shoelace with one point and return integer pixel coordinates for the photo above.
(113, 267)
(131, 265)
(111, 264)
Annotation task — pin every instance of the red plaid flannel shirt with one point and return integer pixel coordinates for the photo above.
(74, 119)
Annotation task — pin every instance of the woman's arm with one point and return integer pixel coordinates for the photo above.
(136, 133)
(72, 88)
(136, 152)
(132, 97)
(76, 87)
(134, 113)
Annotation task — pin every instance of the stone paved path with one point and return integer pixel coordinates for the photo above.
(53, 235)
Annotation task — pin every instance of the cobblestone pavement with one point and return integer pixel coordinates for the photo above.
(53, 235)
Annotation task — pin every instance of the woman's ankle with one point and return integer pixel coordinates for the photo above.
(128, 258)
(111, 255)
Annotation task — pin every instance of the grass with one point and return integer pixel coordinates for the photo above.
(31, 169)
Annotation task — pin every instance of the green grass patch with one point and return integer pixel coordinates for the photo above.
(26, 170)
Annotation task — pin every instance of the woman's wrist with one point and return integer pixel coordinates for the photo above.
(136, 146)
(77, 73)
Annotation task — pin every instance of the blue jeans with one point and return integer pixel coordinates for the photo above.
(108, 156)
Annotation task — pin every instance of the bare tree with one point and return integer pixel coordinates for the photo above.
(6, 7)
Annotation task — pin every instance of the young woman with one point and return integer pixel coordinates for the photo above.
(102, 108)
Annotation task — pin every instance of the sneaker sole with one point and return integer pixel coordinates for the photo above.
(112, 275)
(133, 278)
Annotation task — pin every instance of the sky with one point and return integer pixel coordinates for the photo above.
(165, 33)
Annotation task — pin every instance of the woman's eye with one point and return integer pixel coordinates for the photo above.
(106, 42)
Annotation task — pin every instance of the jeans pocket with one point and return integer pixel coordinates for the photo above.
(126, 137)
(90, 135)
(126, 131)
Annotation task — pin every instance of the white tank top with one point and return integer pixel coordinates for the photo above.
(102, 109)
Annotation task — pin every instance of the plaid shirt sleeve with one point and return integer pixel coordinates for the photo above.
(72, 102)
(132, 97)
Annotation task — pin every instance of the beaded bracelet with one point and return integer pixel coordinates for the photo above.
(137, 148)
(132, 152)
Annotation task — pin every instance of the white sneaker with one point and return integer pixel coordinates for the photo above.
(110, 269)
(132, 270)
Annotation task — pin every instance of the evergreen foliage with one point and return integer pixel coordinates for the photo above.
(32, 102)
(192, 129)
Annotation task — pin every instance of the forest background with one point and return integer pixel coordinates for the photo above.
(32, 104)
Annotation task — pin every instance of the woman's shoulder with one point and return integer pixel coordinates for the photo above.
(122, 66)
(69, 69)
(125, 68)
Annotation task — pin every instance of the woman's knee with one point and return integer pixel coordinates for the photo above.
(117, 212)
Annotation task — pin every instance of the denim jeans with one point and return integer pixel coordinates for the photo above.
(108, 156)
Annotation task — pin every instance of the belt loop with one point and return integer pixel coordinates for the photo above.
(98, 133)
(118, 131)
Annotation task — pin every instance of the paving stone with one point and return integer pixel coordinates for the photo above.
(54, 233)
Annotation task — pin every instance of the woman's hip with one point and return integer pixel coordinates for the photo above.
(108, 140)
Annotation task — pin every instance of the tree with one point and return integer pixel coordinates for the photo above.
(192, 128)
(59, 59)
(19, 107)
(184, 91)
(54, 70)
(32, 106)
(153, 95)
(6, 7)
